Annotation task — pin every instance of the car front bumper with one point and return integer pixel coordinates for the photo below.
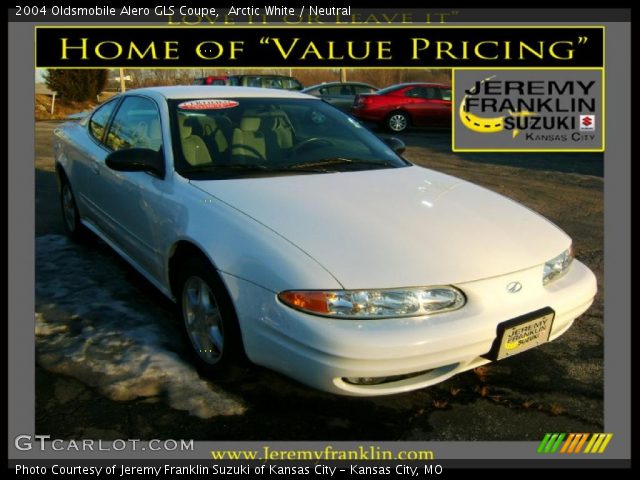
(418, 351)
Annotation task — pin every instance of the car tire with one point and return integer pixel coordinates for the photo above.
(397, 122)
(209, 321)
(70, 216)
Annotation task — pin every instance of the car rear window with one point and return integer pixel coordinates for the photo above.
(390, 89)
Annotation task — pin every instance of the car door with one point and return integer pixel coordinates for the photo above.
(443, 101)
(340, 96)
(359, 90)
(427, 107)
(86, 157)
(131, 203)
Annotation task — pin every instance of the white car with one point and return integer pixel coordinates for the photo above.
(287, 232)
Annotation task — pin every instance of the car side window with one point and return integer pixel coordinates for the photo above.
(272, 83)
(445, 94)
(431, 93)
(135, 125)
(291, 83)
(338, 90)
(100, 118)
(414, 92)
(358, 89)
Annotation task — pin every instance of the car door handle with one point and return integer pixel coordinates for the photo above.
(95, 168)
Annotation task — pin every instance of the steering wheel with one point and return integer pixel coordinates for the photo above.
(318, 142)
(249, 149)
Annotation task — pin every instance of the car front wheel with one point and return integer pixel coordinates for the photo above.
(209, 320)
(398, 122)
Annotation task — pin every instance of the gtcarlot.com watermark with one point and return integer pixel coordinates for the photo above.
(45, 443)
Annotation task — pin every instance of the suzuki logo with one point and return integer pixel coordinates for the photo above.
(514, 287)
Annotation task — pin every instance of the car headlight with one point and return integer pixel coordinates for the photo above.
(558, 266)
(375, 304)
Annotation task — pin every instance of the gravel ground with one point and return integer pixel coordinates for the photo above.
(110, 362)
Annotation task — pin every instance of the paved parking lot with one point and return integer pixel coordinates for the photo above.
(94, 378)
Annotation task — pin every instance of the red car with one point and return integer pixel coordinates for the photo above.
(212, 80)
(398, 106)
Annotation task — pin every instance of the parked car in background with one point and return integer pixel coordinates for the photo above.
(286, 231)
(399, 106)
(281, 82)
(340, 94)
(212, 80)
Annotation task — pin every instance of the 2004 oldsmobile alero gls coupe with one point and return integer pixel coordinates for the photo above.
(287, 232)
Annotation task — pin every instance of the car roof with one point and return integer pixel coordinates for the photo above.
(261, 75)
(413, 84)
(332, 84)
(210, 91)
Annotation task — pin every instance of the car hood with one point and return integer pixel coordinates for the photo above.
(396, 227)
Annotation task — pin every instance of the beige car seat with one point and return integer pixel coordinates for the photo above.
(213, 135)
(194, 148)
(283, 131)
(248, 140)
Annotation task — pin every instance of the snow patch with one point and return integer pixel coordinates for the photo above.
(95, 325)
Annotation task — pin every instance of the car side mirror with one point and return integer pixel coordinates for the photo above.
(395, 144)
(137, 160)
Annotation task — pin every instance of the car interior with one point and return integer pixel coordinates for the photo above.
(136, 130)
(194, 148)
(258, 136)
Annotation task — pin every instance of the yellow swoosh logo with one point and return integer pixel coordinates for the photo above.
(511, 345)
(479, 124)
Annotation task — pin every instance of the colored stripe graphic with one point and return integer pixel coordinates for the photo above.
(552, 442)
(581, 443)
(570, 443)
(543, 443)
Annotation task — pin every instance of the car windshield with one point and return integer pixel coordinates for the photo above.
(247, 137)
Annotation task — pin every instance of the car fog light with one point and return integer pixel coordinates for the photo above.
(365, 380)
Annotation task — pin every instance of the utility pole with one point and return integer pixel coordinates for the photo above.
(122, 87)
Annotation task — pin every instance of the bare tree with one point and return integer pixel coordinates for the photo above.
(380, 77)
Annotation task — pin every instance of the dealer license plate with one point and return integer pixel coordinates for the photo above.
(522, 333)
